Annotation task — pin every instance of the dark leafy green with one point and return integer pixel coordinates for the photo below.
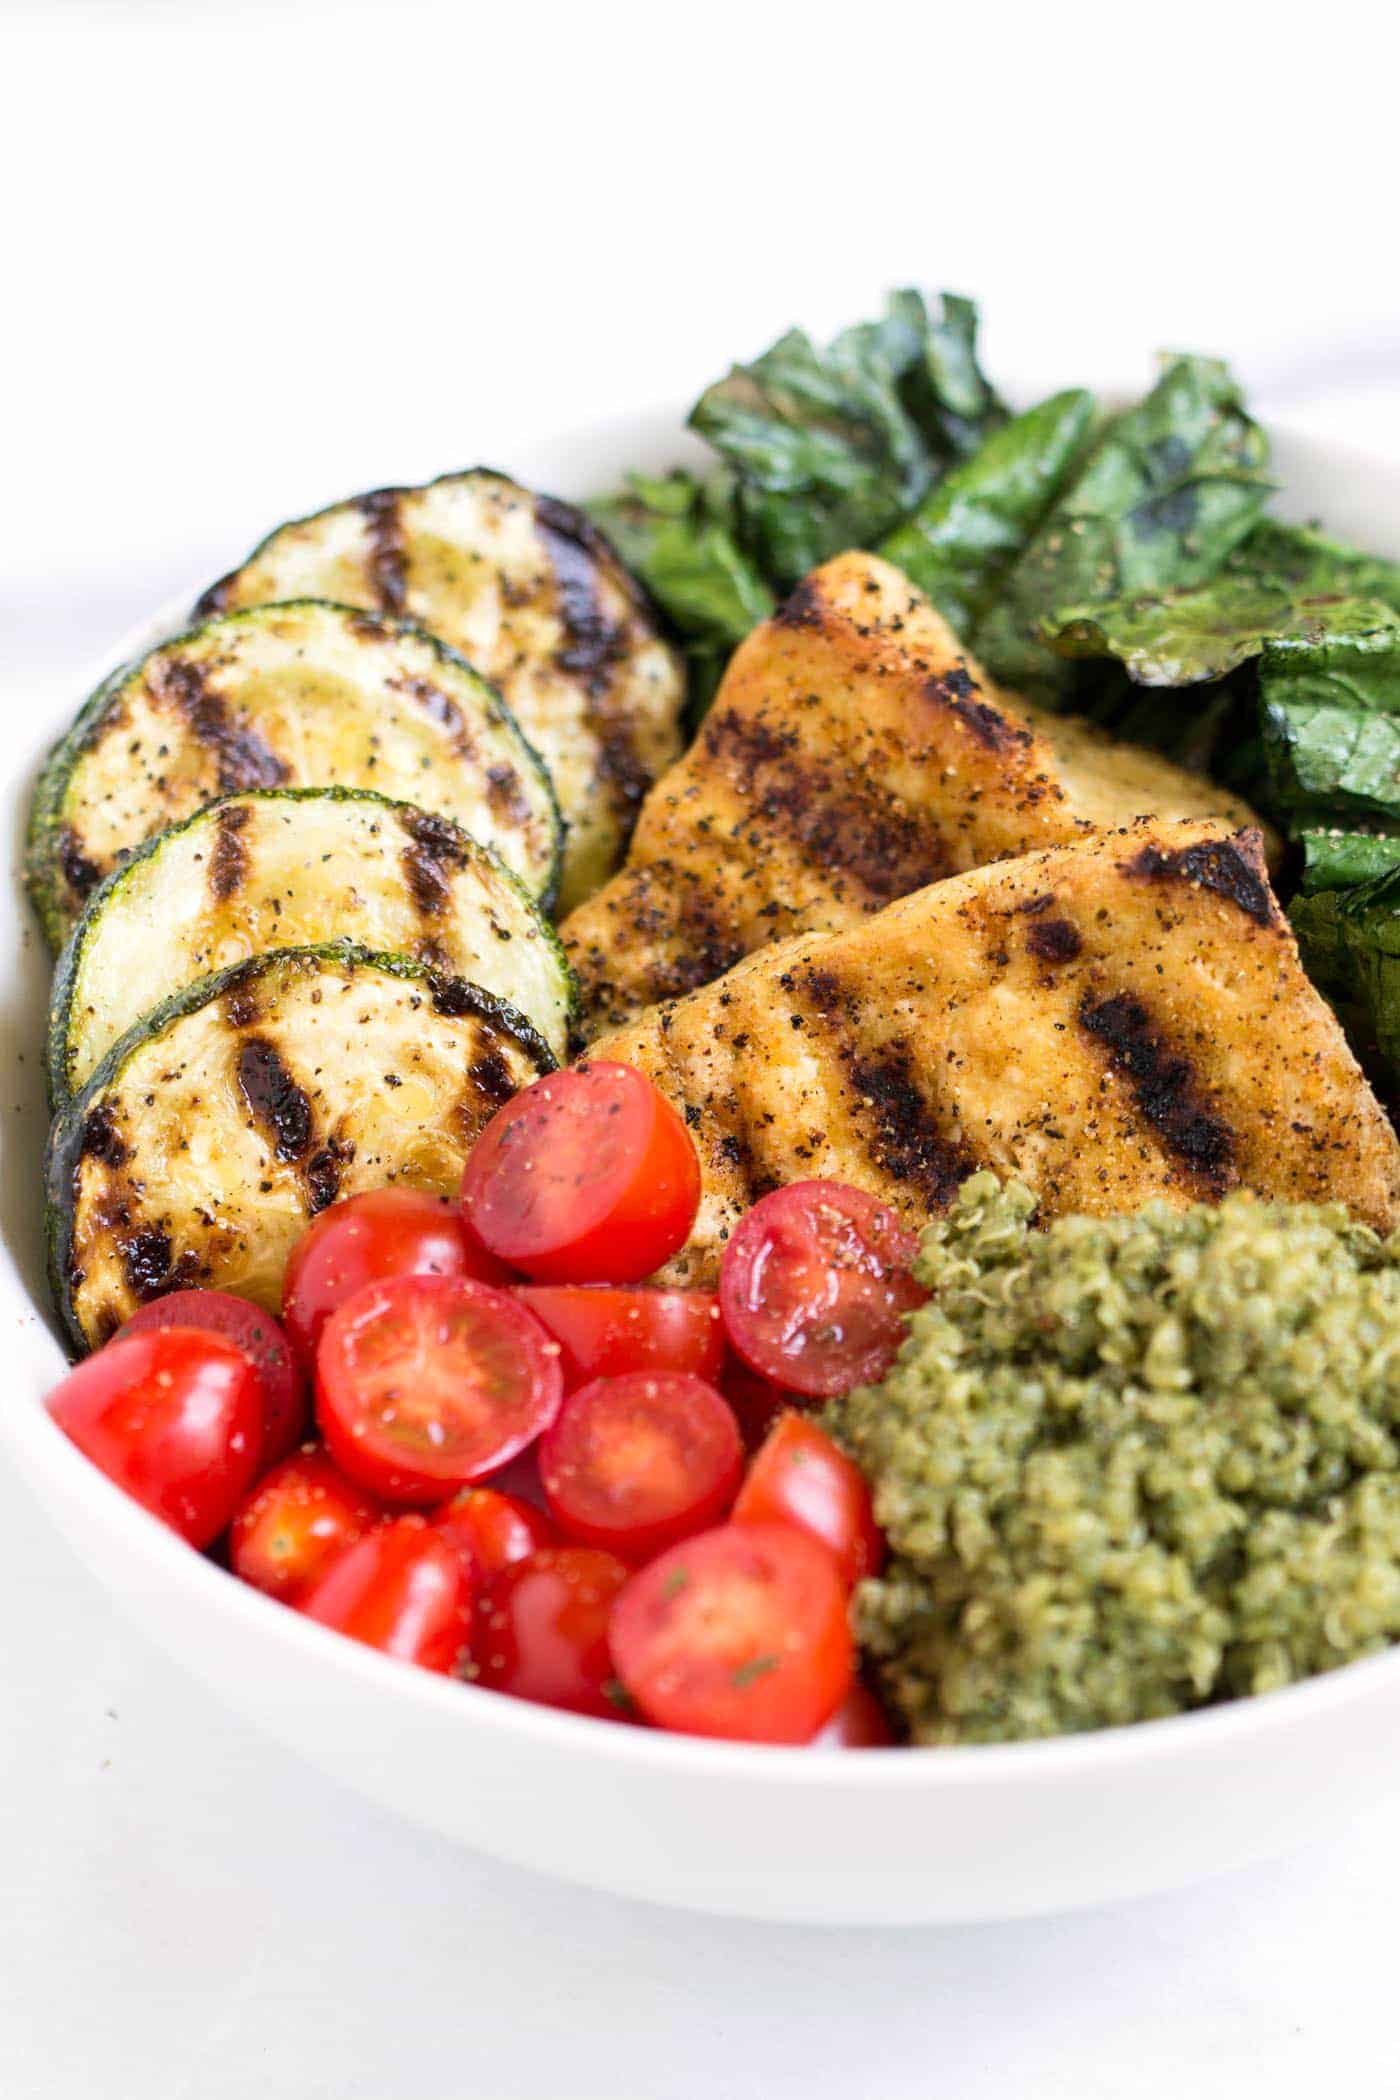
(1335, 860)
(1187, 637)
(1349, 940)
(677, 535)
(965, 535)
(1331, 726)
(1169, 491)
(1312, 564)
(830, 448)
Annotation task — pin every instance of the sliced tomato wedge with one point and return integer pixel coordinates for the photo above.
(586, 1176)
(801, 1477)
(175, 1418)
(425, 1384)
(814, 1285)
(636, 1463)
(299, 1517)
(400, 1589)
(492, 1531)
(366, 1239)
(740, 1632)
(542, 1632)
(858, 1723)
(285, 1403)
(604, 1332)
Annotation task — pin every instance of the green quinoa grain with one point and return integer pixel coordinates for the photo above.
(1129, 1466)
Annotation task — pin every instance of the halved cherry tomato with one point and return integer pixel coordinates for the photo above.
(801, 1477)
(299, 1517)
(586, 1176)
(858, 1723)
(542, 1633)
(814, 1283)
(756, 1401)
(175, 1417)
(492, 1531)
(428, 1383)
(400, 1589)
(257, 1334)
(385, 1232)
(604, 1333)
(740, 1632)
(636, 1463)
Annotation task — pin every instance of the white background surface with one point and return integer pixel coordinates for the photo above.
(257, 258)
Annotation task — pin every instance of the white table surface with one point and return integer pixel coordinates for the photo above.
(472, 228)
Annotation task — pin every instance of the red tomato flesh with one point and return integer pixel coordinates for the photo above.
(636, 1463)
(491, 1531)
(756, 1401)
(801, 1477)
(174, 1417)
(257, 1334)
(428, 1383)
(603, 1332)
(542, 1633)
(740, 1633)
(400, 1589)
(365, 1239)
(858, 1723)
(299, 1517)
(814, 1283)
(586, 1176)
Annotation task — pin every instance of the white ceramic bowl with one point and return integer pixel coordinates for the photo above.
(883, 1836)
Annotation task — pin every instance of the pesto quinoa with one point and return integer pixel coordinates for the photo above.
(1129, 1466)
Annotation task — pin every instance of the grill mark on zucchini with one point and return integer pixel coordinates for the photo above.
(1165, 1087)
(242, 758)
(228, 863)
(439, 707)
(101, 1138)
(594, 646)
(433, 851)
(81, 875)
(274, 1099)
(388, 556)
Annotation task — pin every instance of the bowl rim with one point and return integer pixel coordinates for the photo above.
(97, 1502)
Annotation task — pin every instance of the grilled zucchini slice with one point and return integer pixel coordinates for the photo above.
(217, 1127)
(297, 695)
(527, 589)
(291, 867)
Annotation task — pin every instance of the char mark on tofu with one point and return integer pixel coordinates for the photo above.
(877, 847)
(958, 691)
(1229, 868)
(1165, 1086)
(1053, 940)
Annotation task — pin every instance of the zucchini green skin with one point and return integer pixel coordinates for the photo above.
(529, 590)
(52, 876)
(112, 892)
(72, 1136)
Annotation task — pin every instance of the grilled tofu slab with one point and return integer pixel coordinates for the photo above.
(216, 1128)
(1113, 1021)
(297, 695)
(854, 752)
(532, 594)
(294, 867)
